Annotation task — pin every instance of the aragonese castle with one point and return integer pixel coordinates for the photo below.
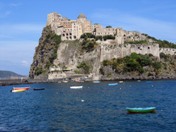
(73, 29)
(69, 57)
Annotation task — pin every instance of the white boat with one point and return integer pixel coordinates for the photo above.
(65, 81)
(76, 87)
(120, 81)
(112, 84)
(96, 81)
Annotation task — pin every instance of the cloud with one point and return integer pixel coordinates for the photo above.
(17, 55)
(17, 45)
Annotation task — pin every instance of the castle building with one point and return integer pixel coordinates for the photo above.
(73, 29)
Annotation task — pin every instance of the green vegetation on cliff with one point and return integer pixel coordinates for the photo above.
(134, 62)
(93, 37)
(84, 68)
(162, 43)
(140, 66)
(46, 53)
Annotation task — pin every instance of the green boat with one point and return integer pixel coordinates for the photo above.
(141, 110)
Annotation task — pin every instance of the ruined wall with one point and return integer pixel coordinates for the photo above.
(169, 51)
(146, 49)
(111, 49)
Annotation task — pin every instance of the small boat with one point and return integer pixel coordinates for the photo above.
(112, 84)
(38, 88)
(65, 81)
(120, 81)
(96, 81)
(19, 89)
(76, 87)
(141, 110)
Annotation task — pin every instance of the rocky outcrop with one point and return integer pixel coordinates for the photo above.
(45, 54)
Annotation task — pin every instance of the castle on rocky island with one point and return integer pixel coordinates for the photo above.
(69, 56)
(73, 29)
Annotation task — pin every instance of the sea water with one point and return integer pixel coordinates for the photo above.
(96, 107)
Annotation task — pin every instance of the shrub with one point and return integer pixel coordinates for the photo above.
(109, 26)
(85, 67)
(108, 37)
(99, 38)
(38, 71)
(157, 65)
(87, 35)
(88, 45)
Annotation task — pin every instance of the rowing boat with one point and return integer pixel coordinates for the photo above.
(141, 110)
(19, 89)
(112, 84)
(76, 87)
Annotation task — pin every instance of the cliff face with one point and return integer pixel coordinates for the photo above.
(72, 60)
(45, 54)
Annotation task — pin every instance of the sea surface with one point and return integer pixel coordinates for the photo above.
(96, 107)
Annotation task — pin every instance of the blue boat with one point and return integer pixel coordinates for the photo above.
(112, 84)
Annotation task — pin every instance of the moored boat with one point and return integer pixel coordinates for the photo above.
(120, 81)
(38, 88)
(19, 89)
(76, 87)
(141, 110)
(96, 81)
(112, 84)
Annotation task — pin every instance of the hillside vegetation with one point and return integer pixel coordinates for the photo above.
(137, 66)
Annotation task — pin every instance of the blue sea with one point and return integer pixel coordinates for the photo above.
(97, 107)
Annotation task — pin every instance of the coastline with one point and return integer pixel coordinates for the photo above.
(31, 81)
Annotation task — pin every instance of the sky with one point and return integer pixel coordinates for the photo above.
(22, 21)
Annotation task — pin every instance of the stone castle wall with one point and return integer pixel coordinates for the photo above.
(169, 51)
(110, 50)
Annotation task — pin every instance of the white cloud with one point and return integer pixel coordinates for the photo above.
(17, 55)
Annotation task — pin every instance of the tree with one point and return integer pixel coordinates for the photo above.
(109, 26)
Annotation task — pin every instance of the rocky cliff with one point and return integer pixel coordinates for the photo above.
(45, 54)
